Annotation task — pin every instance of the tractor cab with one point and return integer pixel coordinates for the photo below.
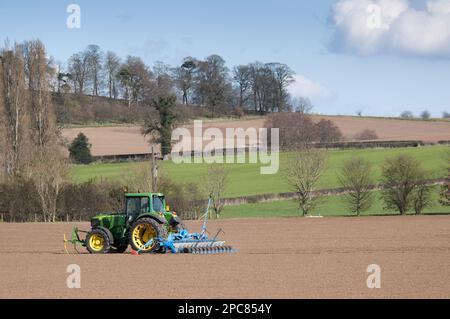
(138, 204)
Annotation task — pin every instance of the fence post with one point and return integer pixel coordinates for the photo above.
(67, 217)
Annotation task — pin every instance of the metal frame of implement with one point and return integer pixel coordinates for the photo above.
(184, 242)
(75, 240)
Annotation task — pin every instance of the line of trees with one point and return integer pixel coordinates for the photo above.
(209, 83)
(424, 115)
(403, 183)
(206, 84)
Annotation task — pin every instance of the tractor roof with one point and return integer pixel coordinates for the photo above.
(142, 194)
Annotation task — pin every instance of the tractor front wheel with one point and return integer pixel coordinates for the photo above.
(97, 242)
(144, 230)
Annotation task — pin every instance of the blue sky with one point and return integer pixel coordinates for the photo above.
(339, 69)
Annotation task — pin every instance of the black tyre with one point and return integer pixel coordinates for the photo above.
(142, 231)
(97, 242)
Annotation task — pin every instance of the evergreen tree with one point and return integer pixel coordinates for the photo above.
(80, 150)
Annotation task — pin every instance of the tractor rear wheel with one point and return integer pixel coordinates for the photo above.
(97, 242)
(142, 231)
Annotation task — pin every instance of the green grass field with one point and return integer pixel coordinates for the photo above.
(330, 206)
(245, 179)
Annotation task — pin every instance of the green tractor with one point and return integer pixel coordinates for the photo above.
(146, 217)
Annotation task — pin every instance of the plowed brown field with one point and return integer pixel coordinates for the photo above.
(277, 258)
(128, 140)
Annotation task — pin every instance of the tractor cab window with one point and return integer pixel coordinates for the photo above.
(137, 206)
(158, 203)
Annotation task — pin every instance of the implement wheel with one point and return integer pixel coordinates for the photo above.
(142, 231)
(97, 242)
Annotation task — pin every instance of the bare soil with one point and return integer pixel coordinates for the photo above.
(277, 258)
(393, 129)
(128, 139)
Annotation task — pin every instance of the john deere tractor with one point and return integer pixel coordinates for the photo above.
(145, 217)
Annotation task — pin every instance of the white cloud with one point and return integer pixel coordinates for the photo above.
(307, 88)
(439, 7)
(367, 27)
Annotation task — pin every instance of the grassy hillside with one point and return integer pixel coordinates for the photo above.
(330, 206)
(245, 179)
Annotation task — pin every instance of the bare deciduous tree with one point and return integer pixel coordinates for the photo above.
(112, 66)
(283, 76)
(263, 87)
(78, 70)
(94, 57)
(421, 197)
(303, 172)
(13, 105)
(401, 176)
(213, 88)
(49, 171)
(298, 130)
(39, 72)
(366, 135)
(163, 80)
(356, 176)
(327, 132)
(139, 179)
(135, 77)
(242, 76)
(215, 186)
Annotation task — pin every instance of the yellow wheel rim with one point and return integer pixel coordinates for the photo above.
(142, 233)
(96, 242)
